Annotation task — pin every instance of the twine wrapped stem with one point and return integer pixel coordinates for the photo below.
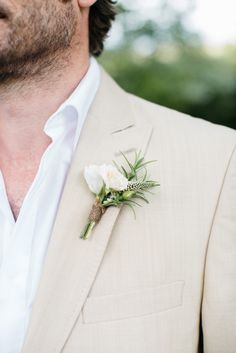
(94, 217)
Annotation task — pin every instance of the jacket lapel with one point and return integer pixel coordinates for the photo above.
(71, 264)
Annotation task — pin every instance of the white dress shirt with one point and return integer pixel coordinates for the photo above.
(23, 243)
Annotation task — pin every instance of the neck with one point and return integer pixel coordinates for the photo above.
(25, 106)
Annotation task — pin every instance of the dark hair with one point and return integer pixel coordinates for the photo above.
(102, 13)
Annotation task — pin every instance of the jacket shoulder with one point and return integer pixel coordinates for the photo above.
(180, 125)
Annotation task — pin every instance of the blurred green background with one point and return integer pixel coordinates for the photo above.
(160, 59)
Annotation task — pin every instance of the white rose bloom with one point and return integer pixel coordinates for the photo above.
(112, 178)
(93, 178)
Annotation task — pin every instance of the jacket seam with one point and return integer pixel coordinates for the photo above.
(213, 220)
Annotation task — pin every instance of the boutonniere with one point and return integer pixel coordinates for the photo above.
(115, 185)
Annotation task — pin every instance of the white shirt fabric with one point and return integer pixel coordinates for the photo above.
(23, 243)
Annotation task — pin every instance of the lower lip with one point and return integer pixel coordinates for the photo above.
(3, 27)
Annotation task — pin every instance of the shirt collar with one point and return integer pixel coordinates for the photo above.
(73, 111)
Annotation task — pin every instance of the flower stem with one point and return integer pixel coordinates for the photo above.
(87, 230)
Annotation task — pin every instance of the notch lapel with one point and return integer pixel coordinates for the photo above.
(71, 263)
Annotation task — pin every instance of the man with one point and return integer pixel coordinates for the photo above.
(164, 282)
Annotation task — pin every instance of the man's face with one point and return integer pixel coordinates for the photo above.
(32, 29)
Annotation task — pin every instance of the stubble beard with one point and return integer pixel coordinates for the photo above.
(37, 42)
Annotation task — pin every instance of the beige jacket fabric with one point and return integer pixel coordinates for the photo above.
(150, 284)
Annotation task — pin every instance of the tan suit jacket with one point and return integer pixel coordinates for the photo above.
(161, 283)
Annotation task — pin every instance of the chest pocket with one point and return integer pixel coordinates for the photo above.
(140, 302)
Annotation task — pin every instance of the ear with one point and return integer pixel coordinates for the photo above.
(85, 3)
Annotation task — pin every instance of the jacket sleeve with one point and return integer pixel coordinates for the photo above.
(219, 291)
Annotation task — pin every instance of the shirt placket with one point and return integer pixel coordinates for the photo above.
(14, 273)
